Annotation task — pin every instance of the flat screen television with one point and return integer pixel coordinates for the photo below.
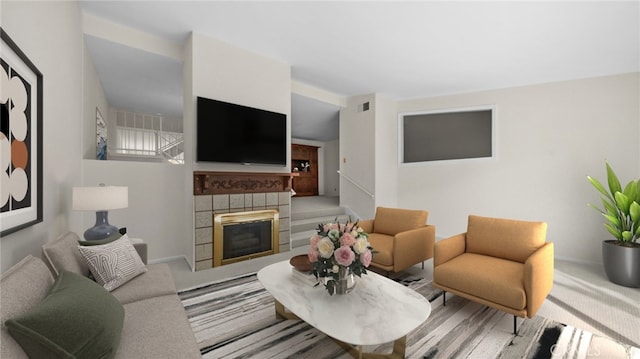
(232, 133)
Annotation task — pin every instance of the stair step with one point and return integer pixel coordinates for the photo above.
(312, 223)
(304, 223)
(324, 212)
(300, 239)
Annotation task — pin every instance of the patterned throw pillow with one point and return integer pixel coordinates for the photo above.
(113, 264)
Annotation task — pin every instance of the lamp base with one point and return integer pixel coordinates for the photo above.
(102, 229)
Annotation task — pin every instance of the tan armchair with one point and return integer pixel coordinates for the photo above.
(502, 263)
(400, 238)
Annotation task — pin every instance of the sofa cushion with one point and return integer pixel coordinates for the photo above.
(62, 254)
(499, 280)
(157, 328)
(77, 319)
(113, 264)
(22, 287)
(391, 221)
(504, 238)
(383, 246)
(157, 281)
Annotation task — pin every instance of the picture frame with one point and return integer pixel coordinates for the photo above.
(21, 133)
(101, 136)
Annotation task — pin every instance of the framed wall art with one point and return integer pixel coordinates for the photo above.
(101, 136)
(20, 139)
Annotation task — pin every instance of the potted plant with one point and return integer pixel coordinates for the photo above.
(620, 256)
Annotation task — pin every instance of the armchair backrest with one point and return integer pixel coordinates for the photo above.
(504, 238)
(391, 221)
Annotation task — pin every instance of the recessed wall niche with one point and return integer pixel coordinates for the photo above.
(140, 95)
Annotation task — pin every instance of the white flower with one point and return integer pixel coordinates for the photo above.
(334, 234)
(354, 233)
(325, 247)
(335, 268)
(361, 245)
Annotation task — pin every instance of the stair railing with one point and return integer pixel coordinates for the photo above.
(359, 186)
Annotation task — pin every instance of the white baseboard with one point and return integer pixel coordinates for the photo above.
(170, 259)
(579, 261)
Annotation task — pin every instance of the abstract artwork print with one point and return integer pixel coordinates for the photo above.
(20, 139)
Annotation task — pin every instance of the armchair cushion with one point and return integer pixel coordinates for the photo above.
(504, 238)
(492, 279)
(391, 221)
(383, 245)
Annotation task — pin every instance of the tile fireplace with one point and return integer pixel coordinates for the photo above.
(218, 193)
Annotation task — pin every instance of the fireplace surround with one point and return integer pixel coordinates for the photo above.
(232, 192)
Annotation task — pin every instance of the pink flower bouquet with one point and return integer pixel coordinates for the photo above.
(337, 249)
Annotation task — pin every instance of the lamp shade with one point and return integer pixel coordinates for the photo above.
(101, 198)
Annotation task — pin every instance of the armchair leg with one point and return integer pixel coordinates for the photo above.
(515, 324)
(422, 264)
(444, 299)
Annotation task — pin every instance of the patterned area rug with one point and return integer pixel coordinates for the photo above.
(235, 318)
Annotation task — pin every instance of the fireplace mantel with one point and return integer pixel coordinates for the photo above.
(206, 183)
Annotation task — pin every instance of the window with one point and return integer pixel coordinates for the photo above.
(447, 135)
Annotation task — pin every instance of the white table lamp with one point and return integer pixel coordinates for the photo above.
(100, 199)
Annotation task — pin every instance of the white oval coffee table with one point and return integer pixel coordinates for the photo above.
(377, 311)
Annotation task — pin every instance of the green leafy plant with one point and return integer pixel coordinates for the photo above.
(621, 209)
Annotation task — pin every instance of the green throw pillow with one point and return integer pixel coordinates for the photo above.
(77, 319)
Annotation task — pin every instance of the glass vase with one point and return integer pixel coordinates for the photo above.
(346, 280)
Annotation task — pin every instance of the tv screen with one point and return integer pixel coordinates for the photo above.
(234, 133)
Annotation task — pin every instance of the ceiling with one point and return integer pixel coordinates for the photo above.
(402, 50)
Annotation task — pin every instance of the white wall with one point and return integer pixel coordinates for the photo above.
(224, 72)
(218, 70)
(156, 190)
(386, 152)
(49, 33)
(156, 203)
(188, 126)
(550, 137)
(331, 167)
(357, 157)
(94, 98)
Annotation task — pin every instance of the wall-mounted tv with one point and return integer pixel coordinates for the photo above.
(232, 133)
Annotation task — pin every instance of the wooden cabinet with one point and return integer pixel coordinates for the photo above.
(305, 159)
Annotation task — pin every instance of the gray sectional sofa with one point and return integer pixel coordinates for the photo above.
(154, 326)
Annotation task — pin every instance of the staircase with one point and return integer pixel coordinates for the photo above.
(305, 219)
(171, 146)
